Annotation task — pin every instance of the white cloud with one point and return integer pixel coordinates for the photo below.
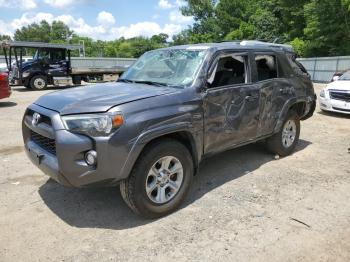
(105, 29)
(145, 29)
(59, 3)
(105, 18)
(176, 17)
(22, 4)
(165, 4)
(180, 3)
(27, 19)
(66, 3)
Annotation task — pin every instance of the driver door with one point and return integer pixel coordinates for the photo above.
(231, 103)
(58, 63)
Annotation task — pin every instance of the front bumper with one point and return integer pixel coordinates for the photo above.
(60, 153)
(334, 105)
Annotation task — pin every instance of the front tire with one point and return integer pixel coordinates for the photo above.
(284, 142)
(160, 179)
(38, 82)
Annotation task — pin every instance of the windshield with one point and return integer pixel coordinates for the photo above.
(345, 76)
(41, 53)
(169, 67)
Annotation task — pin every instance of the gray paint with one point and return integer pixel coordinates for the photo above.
(214, 120)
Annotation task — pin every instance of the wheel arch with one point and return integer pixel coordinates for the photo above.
(183, 136)
(301, 107)
(39, 73)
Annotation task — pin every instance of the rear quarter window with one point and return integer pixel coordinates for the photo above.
(297, 67)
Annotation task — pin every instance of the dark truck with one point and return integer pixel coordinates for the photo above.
(51, 65)
(150, 130)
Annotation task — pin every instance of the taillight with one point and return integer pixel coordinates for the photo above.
(3, 76)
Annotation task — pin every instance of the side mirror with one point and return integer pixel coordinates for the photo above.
(336, 78)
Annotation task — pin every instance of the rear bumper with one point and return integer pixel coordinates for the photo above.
(64, 160)
(310, 107)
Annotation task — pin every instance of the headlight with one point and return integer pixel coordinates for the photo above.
(322, 94)
(93, 124)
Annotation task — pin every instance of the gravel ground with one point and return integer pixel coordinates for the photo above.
(244, 205)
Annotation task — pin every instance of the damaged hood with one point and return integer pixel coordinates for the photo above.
(98, 98)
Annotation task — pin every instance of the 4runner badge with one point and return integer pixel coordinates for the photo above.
(36, 119)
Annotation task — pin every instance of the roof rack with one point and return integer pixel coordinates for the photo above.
(8, 44)
(284, 47)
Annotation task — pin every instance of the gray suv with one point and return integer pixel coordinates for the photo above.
(150, 130)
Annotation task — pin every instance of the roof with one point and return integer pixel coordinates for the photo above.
(8, 44)
(240, 45)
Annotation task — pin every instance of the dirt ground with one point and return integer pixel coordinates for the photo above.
(244, 205)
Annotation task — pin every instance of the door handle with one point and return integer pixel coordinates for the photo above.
(286, 90)
(251, 97)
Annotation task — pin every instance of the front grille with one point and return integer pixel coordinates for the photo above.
(338, 95)
(43, 118)
(45, 143)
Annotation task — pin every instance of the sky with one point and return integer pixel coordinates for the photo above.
(99, 19)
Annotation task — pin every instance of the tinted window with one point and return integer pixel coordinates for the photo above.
(266, 67)
(229, 70)
(57, 55)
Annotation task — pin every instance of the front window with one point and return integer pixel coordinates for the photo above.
(41, 54)
(168, 67)
(345, 76)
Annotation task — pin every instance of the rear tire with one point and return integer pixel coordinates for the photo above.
(284, 142)
(38, 82)
(160, 179)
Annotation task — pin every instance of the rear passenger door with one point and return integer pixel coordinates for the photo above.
(231, 102)
(275, 90)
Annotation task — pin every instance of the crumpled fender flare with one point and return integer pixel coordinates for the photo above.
(147, 136)
(308, 100)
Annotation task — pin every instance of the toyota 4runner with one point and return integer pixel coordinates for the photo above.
(150, 130)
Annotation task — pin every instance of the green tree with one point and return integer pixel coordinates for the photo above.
(57, 32)
(327, 28)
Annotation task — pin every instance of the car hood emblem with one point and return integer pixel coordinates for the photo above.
(36, 119)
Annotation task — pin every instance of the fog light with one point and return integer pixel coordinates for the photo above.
(91, 157)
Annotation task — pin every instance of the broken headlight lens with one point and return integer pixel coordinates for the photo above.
(94, 125)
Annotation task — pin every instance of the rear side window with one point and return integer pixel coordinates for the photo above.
(298, 68)
(266, 66)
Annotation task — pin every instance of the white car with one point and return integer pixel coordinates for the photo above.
(3, 66)
(335, 97)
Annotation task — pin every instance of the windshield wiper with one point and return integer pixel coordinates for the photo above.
(150, 83)
(124, 80)
(146, 82)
